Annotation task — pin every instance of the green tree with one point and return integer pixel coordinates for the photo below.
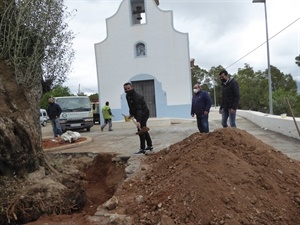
(283, 81)
(94, 97)
(198, 74)
(215, 88)
(254, 88)
(255, 94)
(280, 104)
(246, 78)
(203, 77)
(209, 81)
(283, 86)
(58, 91)
(296, 107)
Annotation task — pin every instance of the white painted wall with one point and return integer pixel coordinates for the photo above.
(274, 123)
(167, 55)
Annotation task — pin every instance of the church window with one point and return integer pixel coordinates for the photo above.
(140, 49)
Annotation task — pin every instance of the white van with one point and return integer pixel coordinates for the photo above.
(43, 117)
(77, 112)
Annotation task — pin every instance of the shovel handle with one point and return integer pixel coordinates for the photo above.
(132, 119)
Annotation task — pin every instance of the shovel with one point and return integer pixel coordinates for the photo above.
(140, 130)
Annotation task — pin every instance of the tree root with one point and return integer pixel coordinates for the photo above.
(57, 193)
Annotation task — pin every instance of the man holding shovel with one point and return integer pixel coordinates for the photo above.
(139, 110)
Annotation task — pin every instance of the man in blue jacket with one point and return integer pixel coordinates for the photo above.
(201, 104)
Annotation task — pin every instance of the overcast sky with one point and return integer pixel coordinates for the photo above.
(221, 32)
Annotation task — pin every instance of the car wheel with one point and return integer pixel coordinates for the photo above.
(88, 129)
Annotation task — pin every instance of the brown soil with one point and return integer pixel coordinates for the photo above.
(224, 177)
(50, 143)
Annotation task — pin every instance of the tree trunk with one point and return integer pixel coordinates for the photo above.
(20, 131)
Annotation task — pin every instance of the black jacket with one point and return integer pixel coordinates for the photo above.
(230, 95)
(54, 110)
(137, 105)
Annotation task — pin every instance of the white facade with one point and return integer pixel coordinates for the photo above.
(164, 58)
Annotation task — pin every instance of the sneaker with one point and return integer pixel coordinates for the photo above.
(101, 128)
(150, 148)
(141, 151)
(110, 130)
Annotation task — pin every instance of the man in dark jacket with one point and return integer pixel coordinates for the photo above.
(54, 112)
(201, 104)
(139, 110)
(230, 98)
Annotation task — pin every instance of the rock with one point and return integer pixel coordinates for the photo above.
(111, 203)
(165, 220)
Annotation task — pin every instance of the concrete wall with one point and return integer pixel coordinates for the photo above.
(274, 123)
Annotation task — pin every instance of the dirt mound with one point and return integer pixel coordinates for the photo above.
(224, 177)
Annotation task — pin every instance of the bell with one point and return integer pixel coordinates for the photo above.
(138, 12)
(138, 9)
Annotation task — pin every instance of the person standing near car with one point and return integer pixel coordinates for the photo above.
(230, 99)
(54, 112)
(201, 104)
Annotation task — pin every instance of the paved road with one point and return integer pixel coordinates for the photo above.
(165, 132)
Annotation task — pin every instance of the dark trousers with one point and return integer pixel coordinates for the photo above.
(202, 123)
(145, 137)
(107, 121)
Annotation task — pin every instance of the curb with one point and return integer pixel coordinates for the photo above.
(72, 145)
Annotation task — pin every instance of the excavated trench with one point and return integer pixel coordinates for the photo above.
(101, 176)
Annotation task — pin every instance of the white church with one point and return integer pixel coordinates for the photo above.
(143, 47)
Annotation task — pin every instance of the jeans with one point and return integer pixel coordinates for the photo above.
(225, 114)
(56, 127)
(202, 123)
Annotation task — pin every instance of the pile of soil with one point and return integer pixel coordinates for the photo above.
(224, 177)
